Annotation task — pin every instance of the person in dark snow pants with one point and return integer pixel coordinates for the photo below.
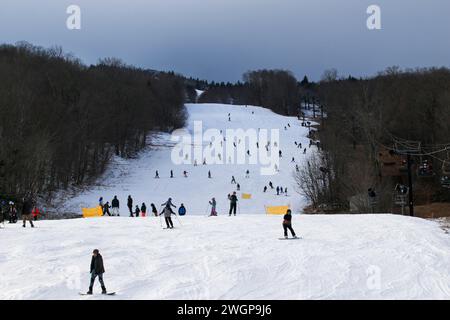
(154, 211)
(130, 205)
(167, 212)
(97, 270)
(26, 212)
(287, 224)
(106, 207)
(137, 211)
(233, 203)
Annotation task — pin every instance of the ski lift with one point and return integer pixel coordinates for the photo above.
(400, 197)
(425, 169)
(445, 178)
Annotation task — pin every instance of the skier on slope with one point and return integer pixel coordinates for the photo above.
(171, 173)
(238, 187)
(157, 175)
(287, 224)
(233, 180)
(233, 203)
(97, 270)
(130, 205)
(154, 211)
(213, 204)
(168, 204)
(26, 212)
(209, 174)
(167, 211)
(265, 189)
(115, 206)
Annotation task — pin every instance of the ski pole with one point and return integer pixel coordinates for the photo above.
(178, 219)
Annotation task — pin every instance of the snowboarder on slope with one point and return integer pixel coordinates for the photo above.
(287, 224)
(233, 203)
(97, 269)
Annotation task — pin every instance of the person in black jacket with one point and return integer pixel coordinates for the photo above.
(27, 208)
(233, 203)
(115, 206)
(287, 224)
(97, 269)
(130, 205)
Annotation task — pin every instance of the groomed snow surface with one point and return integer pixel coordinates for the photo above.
(339, 257)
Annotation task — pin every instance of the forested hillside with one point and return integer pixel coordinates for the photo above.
(61, 121)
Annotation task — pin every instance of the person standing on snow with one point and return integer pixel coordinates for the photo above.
(97, 270)
(287, 224)
(106, 207)
(265, 189)
(167, 211)
(233, 203)
(213, 204)
(115, 206)
(233, 180)
(209, 174)
(143, 209)
(154, 211)
(130, 205)
(181, 210)
(157, 175)
(171, 173)
(36, 213)
(137, 211)
(26, 212)
(168, 204)
(12, 212)
(278, 191)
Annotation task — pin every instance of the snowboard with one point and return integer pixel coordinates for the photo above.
(108, 294)
(298, 238)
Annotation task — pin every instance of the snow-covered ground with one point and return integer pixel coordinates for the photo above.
(136, 177)
(339, 257)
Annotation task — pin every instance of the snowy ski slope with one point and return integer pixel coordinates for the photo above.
(136, 177)
(339, 257)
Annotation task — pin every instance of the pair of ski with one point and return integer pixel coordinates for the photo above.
(296, 238)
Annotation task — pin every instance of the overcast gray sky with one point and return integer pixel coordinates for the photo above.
(221, 39)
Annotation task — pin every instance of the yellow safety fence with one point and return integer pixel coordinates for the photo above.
(92, 212)
(246, 196)
(276, 209)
